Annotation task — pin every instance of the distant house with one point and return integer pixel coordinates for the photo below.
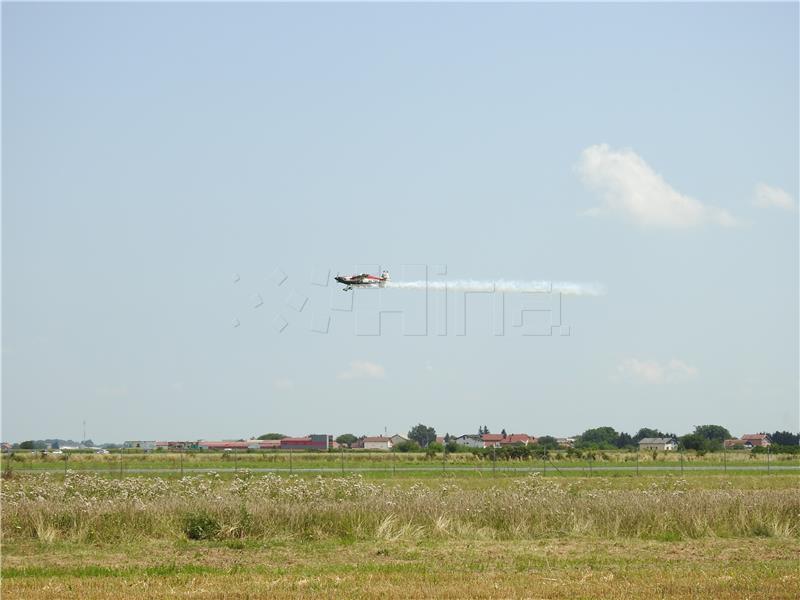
(309, 442)
(140, 445)
(471, 440)
(738, 443)
(492, 440)
(568, 442)
(663, 444)
(517, 439)
(397, 439)
(176, 445)
(229, 445)
(757, 439)
(377, 442)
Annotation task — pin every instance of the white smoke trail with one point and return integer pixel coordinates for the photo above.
(562, 287)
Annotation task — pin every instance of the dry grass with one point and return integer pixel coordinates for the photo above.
(256, 536)
(89, 508)
(444, 569)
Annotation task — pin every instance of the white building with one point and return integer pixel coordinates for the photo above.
(471, 440)
(378, 442)
(397, 438)
(140, 445)
(663, 444)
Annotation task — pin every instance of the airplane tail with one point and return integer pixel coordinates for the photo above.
(385, 275)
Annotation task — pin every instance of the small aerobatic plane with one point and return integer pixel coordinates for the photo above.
(364, 280)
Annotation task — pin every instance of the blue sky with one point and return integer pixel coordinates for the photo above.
(153, 154)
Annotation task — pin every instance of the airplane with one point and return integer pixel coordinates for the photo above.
(364, 280)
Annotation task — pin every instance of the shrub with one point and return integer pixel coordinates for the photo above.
(200, 526)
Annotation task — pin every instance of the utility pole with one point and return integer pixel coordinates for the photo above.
(724, 456)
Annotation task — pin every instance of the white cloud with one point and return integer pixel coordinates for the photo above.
(631, 188)
(771, 197)
(362, 369)
(651, 371)
(282, 383)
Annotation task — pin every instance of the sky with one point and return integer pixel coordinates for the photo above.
(180, 183)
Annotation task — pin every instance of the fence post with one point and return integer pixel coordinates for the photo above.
(494, 461)
(769, 452)
(342, 449)
(291, 466)
(637, 461)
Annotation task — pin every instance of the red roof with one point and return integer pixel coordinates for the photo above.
(519, 437)
(492, 437)
(755, 436)
(226, 444)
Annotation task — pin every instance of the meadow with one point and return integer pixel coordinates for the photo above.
(248, 535)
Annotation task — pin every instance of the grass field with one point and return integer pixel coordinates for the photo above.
(252, 536)
(358, 460)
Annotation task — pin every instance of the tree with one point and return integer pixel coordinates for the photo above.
(422, 434)
(346, 439)
(271, 436)
(451, 446)
(623, 440)
(599, 437)
(406, 446)
(785, 438)
(713, 432)
(26, 445)
(548, 442)
(503, 433)
(486, 429)
(646, 432)
(695, 441)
